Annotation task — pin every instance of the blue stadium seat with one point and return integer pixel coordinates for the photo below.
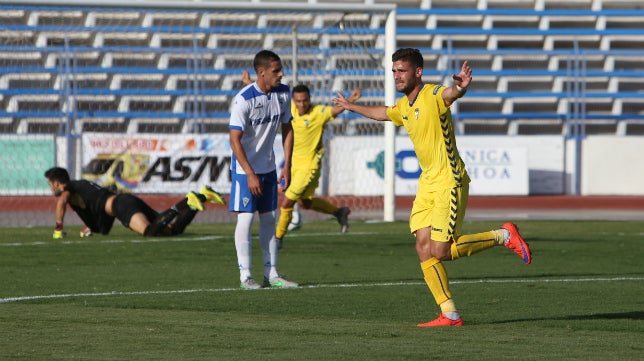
(526, 55)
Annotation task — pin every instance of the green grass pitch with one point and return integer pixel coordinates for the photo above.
(124, 297)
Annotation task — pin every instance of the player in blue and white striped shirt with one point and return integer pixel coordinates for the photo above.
(257, 112)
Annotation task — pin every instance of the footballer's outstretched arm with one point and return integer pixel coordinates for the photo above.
(376, 112)
(246, 77)
(355, 95)
(462, 80)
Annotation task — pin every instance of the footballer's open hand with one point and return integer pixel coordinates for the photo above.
(58, 230)
(85, 232)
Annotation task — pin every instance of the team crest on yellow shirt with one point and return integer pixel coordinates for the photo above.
(306, 123)
(417, 112)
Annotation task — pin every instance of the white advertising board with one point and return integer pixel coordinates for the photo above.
(180, 163)
(497, 170)
(612, 165)
(150, 163)
(545, 158)
(495, 167)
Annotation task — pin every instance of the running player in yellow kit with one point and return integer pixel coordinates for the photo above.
(439, 207)
(308, 149)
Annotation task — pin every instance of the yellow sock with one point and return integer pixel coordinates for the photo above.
(322, 206)
(436, 279)
(448, 306)
(286, 214)
(468, 244)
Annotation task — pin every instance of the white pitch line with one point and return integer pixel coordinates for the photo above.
(340, 285)
(94, 239)
(330, 234)
(109, 241)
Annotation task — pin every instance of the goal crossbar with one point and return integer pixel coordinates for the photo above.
(212, 5)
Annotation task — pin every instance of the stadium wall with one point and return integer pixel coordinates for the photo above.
(612, 166)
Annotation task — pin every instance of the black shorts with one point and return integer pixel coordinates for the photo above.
(125, 206)
(97, 220)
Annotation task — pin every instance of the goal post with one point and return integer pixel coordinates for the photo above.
(138, 92)
(390, 131)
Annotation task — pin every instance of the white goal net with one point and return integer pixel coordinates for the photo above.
(137, 94)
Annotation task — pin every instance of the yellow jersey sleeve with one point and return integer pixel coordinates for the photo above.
(393, 112)
(440, 103)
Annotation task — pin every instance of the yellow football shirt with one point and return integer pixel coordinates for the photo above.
(308, 146)
(429, 125)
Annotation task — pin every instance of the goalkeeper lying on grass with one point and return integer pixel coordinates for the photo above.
(97, 207)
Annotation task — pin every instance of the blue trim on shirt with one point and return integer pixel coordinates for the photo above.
(251, 93)
(283, 88)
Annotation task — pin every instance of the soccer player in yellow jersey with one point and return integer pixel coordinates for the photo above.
(439, 207)
(308, 149)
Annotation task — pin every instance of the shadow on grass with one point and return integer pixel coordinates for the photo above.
(552, 276)
(631, 315)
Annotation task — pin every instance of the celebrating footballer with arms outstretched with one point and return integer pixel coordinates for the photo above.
(439, 207)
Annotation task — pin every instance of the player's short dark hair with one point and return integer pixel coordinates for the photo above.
(264, 58)
(301, 88)
(57, 174)
(410, 55)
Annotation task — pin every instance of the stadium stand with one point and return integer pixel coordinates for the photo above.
(537, 63)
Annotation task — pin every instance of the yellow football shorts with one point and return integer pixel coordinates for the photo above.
(304, 181)
(443, 210)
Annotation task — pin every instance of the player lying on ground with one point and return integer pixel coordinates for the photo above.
(97, 207)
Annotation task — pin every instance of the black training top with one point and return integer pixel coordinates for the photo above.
(88, 199)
